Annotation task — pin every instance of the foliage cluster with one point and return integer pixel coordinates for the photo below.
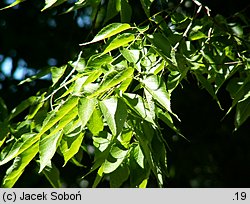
(112, 103)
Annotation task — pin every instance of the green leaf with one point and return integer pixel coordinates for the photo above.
(18, 166)
(242, 111)
(13, 4)
(205, 83)
(161, 43)
(119, 176)
(114, 7)
(120, 40)
(70, 146)
(95, 124)
(126, 11)
(85, 109)
(22, 106)
(52, 3)
(4, 130)
(138, 156)
(156, 87)
(23, 143)
(116, 157)
(115, 112)
(197, 35)
(57, 73)
(109, 31)
(138, 105)
(112, 79)
(47, 148)
(132, 56)
(98, 61)
(53, 175)
(146, 6)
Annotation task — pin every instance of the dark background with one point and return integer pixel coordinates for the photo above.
(214, 156)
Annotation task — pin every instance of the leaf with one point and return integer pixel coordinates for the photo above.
(115, 112)
(13, 4)
(85, 109)
(114, 7)
(95, 124)
(132, 56)
(18, 166)
(119, 41)
(161, 43)
(112, 79)
(119, 176)
(126, 11)
(22, 106)
(138, 105)
(52, 3)
(114, 160)
(23, 143)
(197, 35)
(146, 6)
(52, 174)
(4, 130)
(205, 83)
(138, 156)
(47, 148)
(108, 31)
(98, 61)
(70, 146)
(57, 73)
(156, 87)
(242, 111)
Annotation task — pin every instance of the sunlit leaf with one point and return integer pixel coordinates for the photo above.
(13, 4)
(119, 41)
(95, 124)
(85, 109)
(109, 31)
(115, 112)
(18, 166)
(70, 145)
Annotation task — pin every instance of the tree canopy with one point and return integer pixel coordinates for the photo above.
(113, 87)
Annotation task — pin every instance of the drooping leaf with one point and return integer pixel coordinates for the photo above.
(22, 106)
(119, 176)
(18, 166)
(146, 6)
(114, 7)
(120, 40)
(47, 148)
(57, 73)
(20, 145)
(85, 109)
(13, 4)
(95, 124)
(114, 111)
(52, 3)
(157, 88)
(70, 146)
(242, 111)
(138, 105)
(109, 31)
(126, 11)
(116, 157)
(52, 174)
(4, 130)
(112, 79)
